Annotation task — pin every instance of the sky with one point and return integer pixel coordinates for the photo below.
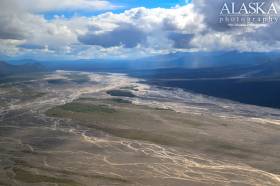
(93, 29)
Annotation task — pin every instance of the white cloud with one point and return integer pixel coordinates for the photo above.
(133, 33)
(9, 46)
(141, 26)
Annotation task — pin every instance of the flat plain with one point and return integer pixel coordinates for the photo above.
(75, 128)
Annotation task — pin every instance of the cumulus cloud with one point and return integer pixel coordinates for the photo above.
(31, 31)
(156, 28)
(134, 32)
(181, 40)
(223, 36)
(11, 30)
(128, 36)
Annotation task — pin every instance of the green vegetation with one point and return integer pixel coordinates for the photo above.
(118, 100)
(103, 101)
(164, 109)
(123, 93)
(87, 108)
(128, 121)
(78, 78)
(130, 88)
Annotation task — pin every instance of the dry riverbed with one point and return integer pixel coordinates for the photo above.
(84, 129)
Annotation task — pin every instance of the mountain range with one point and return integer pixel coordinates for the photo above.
(7, 69)
(248, 77)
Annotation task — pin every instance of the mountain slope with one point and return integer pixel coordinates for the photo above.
(9, 69)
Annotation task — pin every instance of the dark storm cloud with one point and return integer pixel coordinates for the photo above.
(126, 35)
(181, 40)
(265, 35)
(31, 46)
(10, 29)
(211, 10)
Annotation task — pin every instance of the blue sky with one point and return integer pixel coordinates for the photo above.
(150, 3)
(123, 5)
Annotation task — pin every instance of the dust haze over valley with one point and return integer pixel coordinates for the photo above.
(81, 128)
